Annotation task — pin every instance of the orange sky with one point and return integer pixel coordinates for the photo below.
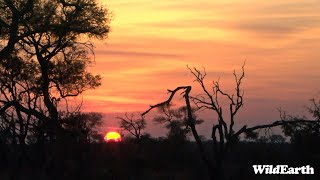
(151, 43)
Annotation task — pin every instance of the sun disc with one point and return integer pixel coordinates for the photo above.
(113, 137)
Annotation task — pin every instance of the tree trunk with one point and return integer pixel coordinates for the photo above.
(53, 124)
(191, 123)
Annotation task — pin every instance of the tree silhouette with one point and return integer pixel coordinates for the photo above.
(277, 139)
(224, 137)
(175, 120)
(18, 96)
(82, 127)
(45, 60)
(133, 125)
(305, 134)
(210, 100)
(13, 16)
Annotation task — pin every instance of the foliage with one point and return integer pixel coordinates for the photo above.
(276, 138)
(315, 109)
(44, 60)
(176, 121)
(304, 134)
(82, 127)
(251, 135)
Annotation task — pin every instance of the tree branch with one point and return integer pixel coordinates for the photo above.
(167, 102)
(244, 129)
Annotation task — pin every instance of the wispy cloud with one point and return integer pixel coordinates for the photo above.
(136, 54)
(152, 42)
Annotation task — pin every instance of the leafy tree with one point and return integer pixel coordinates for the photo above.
(304, 134)
(46, 60)
(13, 16)
(18, 96)
(276, 138)
(175, 120)
(82, 127)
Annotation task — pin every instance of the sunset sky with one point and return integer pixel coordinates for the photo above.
(152, 42)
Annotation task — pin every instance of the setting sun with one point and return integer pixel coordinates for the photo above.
(112, 137)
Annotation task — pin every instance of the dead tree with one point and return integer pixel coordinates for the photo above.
(223, 131)
(224, 135)
(191, 121)
(132, 125)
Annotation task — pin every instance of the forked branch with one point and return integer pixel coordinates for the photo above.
(167, 102)
(132, 125)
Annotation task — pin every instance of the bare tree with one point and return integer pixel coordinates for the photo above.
(224, 135)
(223, 131)
(190, 121)
(133, 125)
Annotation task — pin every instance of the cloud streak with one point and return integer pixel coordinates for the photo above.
(136, 54)
(152, 42)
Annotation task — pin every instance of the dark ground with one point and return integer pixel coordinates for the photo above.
(154, 160)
